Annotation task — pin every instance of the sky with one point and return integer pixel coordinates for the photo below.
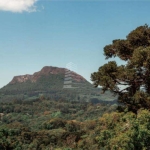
(38, 33)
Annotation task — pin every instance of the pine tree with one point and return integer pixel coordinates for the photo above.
(134, 75)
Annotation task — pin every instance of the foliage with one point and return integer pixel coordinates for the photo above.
(123, 131)
(134, 75)
(39, 124)
(112, 131)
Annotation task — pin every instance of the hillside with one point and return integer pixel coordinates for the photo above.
(46, 71)
(52, 83)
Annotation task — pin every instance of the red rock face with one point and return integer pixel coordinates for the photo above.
(46, 71)
(21, 79)
(77, 77)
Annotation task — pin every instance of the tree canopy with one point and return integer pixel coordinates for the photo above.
(134, 75)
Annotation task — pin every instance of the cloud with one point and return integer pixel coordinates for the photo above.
(18, 5)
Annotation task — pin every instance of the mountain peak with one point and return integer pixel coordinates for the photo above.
(51, 70)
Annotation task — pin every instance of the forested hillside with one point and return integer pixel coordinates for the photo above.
(50, 83)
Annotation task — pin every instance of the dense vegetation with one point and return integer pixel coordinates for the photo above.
(43, 124)
(61, 125)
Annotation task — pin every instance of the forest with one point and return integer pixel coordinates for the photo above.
(41, 124)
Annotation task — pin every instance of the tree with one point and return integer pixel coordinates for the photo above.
(134, 75)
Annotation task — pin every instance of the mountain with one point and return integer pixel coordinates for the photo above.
(46, 71)
(52, 83)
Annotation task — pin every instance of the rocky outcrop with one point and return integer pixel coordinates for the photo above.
(45, 71)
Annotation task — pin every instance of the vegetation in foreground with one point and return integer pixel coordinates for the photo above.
(48, 124)
(44, 124)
